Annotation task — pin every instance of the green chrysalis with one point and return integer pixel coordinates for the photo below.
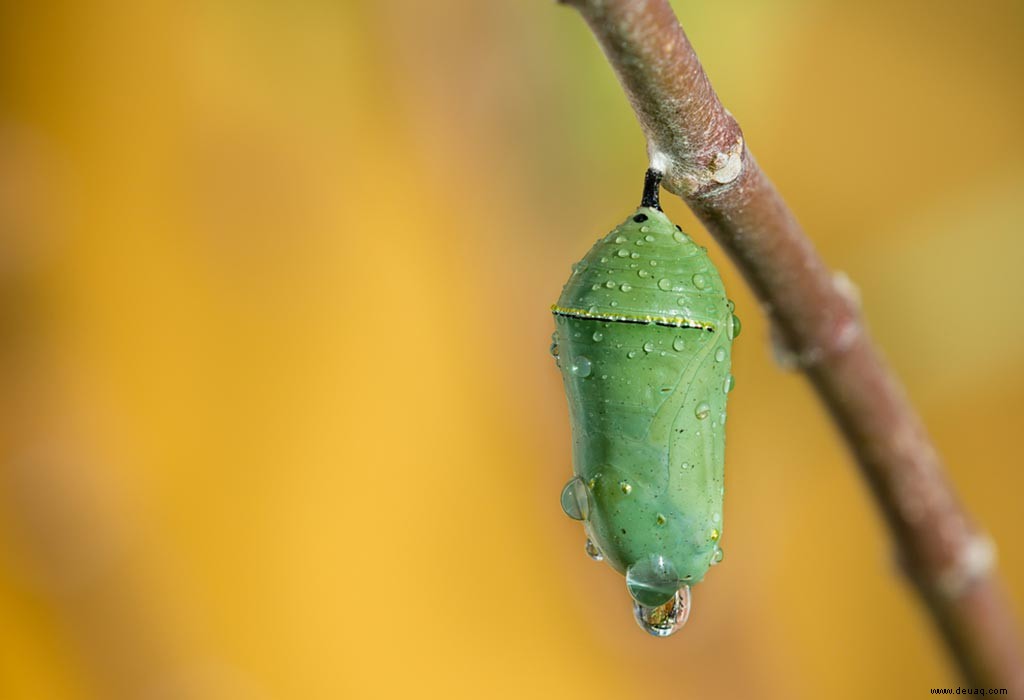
(643, 337)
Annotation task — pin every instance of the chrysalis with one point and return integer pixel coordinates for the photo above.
(643, 337)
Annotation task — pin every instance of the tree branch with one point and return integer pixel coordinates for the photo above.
(815, 315)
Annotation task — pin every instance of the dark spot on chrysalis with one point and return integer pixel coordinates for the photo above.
(679, 228)
(640, 218)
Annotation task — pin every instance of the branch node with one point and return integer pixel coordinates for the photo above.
(975, 560)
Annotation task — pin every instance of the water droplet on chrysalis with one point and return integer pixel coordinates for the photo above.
(576, 499)
(581, 366)
(720, 354)
(592, 551)
(648, 346)
(652, 581)
(678, 344)
(700, 281)
(664, 620)
(702, 411)
(598, 336)
(664, 284)
(734, 327)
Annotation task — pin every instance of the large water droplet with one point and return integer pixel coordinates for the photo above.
(717, 556)
(598, 336)
(652, 581)
(734, 327)
(678, 344)
(649, 238)
(610, 284)
(648, 346)
(664, 620)
(700, 281)
(576, 499)
(680, 236)
(664, 284)
(620, 239)
(730, 383)
(702, 411)
(622, 253)
(631, 354)
(642, 273)
(581, 366)
(720, 355)
(592, 551)
(626, 287)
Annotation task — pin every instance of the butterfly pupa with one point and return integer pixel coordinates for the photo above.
(643, 334)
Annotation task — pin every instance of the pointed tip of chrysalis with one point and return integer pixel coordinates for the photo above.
(652, 185)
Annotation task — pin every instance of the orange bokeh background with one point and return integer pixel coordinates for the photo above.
(278, 416)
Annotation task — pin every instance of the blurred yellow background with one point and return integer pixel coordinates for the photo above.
(277, 415)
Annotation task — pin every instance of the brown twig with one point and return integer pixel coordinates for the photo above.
(700, 148)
